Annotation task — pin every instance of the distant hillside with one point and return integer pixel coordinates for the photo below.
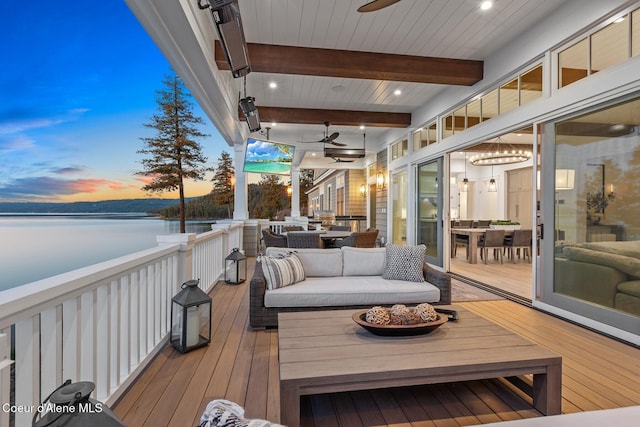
(105, 206)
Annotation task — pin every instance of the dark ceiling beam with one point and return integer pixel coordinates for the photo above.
(335, 117)
(307, 61)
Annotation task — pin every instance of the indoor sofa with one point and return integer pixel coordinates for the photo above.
(342, 278)
(605, 273)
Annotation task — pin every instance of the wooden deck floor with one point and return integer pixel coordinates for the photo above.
(242, 365)
(515, 278)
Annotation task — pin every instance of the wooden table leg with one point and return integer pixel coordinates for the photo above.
(473, 249)
(547, 390)
(290, 406)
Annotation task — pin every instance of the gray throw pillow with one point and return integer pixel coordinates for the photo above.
(404, 263)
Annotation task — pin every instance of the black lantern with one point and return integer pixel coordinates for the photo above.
(235, 271)
(190, 317)
(70, 405)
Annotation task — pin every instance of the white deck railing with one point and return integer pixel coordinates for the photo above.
(101, 323)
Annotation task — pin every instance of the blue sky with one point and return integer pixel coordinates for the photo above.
(77, 82)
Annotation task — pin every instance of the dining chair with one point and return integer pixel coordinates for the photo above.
(304, 240)
(359, 239)
(491, 239)
(520, 239)
(271, 239)
(288, 228)
(460, 239)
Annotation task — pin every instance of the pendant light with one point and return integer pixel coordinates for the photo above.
(465, 181)
(493, 187)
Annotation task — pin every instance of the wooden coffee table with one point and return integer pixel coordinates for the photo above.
(325, 352)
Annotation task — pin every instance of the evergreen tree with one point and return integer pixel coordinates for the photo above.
(273, 195)
(173, 153)
(306, 182)
(223, 181)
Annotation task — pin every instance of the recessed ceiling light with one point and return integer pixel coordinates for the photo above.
(362, 127)
(313, 154)
(273, 85)
(518, 134)
(397, 92)
(486, 5)
(619, 20)
(338, 88)
(274, 124)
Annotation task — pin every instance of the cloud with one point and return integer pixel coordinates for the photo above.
(69, 170)
(8, 127)
(16, 120)
(16, 143)
(51, 187)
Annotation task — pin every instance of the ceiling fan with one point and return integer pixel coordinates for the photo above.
(375, 5)
(339, 160)
(331, 139)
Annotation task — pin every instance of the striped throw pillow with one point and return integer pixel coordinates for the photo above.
(282, 271)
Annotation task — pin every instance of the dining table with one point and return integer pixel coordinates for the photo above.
(325, 234)
(473, 234)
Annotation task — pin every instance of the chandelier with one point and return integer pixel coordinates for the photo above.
(500, 153)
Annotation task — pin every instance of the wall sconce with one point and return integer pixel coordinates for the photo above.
(465, 185)
(363, 190)
(380, 180)
(289, 190)
(232, 182)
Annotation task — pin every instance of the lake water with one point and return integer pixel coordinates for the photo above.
(33, 247)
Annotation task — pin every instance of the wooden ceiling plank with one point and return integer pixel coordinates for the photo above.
(335, 117)
(357, 65)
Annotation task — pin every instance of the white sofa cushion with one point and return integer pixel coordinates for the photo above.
(316, 262)
(352, 290)
(363, 261)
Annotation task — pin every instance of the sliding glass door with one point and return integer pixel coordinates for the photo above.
(429, 210)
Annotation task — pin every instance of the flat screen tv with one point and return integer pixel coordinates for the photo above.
(268, 157)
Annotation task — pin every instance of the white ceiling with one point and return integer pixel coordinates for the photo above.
(438, 28)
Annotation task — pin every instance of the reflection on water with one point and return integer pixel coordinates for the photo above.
(38, 246)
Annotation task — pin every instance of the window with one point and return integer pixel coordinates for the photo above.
(447, 126)
(509, 96)
(635, 32)
(399, 149)
(425, 136)
(597, 210)
(474, 113)
(340, 201)
(572, 63)
(531, 85)
(490, 105)
(610, 46)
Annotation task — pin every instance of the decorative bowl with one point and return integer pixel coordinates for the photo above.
(398, 330)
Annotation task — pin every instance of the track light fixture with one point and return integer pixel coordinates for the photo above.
(250, 111)
(226, 17)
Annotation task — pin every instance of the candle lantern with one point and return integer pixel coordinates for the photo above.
(70, 405)
(236, 267)
(190, 317)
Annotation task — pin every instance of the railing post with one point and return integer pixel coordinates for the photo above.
(5, 377)
(185, 260)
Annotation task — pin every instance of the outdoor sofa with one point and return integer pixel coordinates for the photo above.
(343, 278)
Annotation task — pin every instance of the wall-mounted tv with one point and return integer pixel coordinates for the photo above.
(268, 157)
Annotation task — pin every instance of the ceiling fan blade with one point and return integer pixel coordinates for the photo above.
(336, 143)
(376, 5)
(333, 136)
(339, 160)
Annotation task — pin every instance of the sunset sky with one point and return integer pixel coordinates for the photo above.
(77, 82)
